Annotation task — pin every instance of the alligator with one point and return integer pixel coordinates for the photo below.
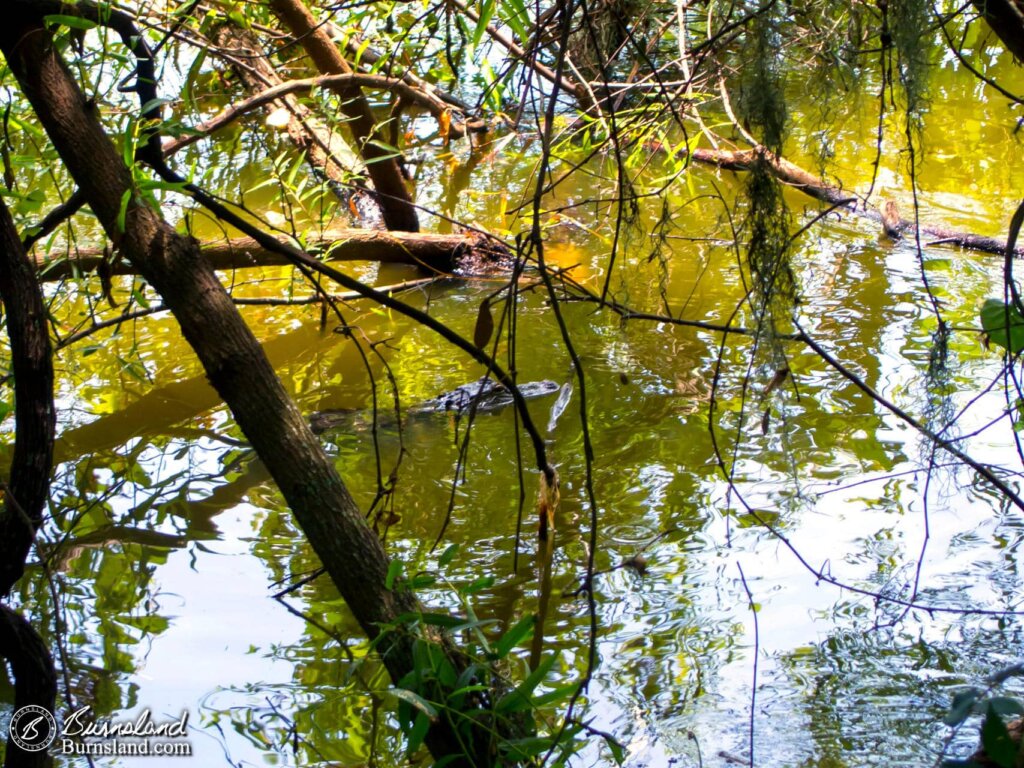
(484, 395)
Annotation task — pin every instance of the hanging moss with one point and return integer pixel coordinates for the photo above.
(909, 31)
(768, 224)
(763, 109)
(762, 103)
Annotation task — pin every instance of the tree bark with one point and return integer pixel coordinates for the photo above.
(1006, 17)
(234, 362)
(432, 252)
(35, 680)
(395, 201)
(35, 419)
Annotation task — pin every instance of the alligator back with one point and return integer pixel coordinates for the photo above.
(485, 395)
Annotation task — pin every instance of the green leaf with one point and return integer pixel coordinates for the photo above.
(1005, 705)
(562, 693)
(441, 620)
(122, 213)
(514, 13)
(388, 150)
(74, 22)
(515, 635)
(523, 749)
(240, 19)
(422, 580)
(394, 569)
(962, 705)
(414, 699)
(138, 475)
(477, 584)
(997, 742)
(153, 104)
(519, 699)
(448, 760)
(486, 12)
(617, 750)
(418, 733)
(1003, 325)
(447, 556)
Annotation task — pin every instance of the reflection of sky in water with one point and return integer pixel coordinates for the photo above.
(215, 641)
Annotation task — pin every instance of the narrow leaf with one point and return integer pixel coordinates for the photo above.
(515, 635)
(519, 699)
(415, 700)
(74, 22)
(486, 12)
(394, 568)
(122, 213)
(617, 750)
(962, 705)
(418, 733)
(484, 325)
(447, 555)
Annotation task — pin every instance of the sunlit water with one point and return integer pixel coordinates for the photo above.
(184, 618)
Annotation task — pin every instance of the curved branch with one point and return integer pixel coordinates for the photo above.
(231, 113)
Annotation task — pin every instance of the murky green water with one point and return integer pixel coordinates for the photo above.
(176, 542)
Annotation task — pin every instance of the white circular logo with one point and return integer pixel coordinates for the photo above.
(33, 728)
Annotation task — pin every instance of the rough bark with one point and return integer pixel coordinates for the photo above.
(35, 681)
(25, 500)
(395, 201)
(234, 362)
(1006, 17)
(434, 253)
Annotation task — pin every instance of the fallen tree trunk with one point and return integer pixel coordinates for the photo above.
(432, 252)
(794, 176)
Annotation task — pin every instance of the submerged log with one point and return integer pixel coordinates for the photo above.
(432, 252)
(794, 176)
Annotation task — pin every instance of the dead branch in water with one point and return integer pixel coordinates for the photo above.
(435, 253)
(794, 176)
